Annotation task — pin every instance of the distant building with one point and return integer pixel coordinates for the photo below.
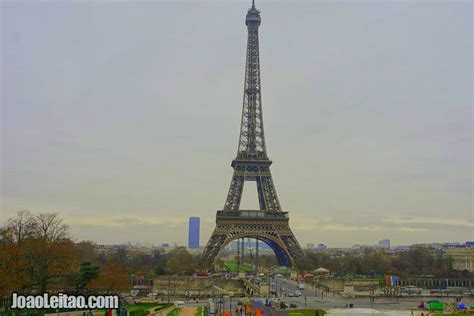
(322, 247)
(193, 232)
(165, 245)
(463, 258)
(309, 246)
(402, 248)
(140, 281)
(384, 243)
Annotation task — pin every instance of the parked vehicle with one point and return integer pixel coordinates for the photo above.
(179, 304)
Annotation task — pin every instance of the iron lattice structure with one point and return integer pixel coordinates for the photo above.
(268, 224)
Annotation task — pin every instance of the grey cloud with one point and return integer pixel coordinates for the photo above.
(368, 116)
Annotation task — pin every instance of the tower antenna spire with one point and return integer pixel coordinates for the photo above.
(253, 4)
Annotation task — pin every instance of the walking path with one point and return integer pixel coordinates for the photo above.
(188, 311)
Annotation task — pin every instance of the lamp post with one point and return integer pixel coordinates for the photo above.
(272, 285)
(276, 287)
(256, 255)
(169, 286)
(333, 288)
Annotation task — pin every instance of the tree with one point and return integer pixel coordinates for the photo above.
(86, 251)
(374, 262)
(37, 254)
(46, 263)
(267, 261)
(112, 279)
(42, 225)
(159, 262)
(20, 227)
(179, 261)
(87, 272)
(50, 227)
(142, 262)
(11, 279)
(121, 255)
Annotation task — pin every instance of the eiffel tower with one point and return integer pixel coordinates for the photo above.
(269, 224)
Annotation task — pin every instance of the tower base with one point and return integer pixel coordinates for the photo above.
(271, 228)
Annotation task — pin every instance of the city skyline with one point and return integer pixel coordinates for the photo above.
(317, 247)
(375, 144)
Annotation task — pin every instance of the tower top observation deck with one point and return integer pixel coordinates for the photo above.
(253, 16)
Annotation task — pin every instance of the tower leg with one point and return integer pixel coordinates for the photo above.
(256, 255)
(235, 193)
(238, 254)
(242, 253)
(277, 235)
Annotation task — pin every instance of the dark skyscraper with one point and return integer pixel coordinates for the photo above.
(193, 232)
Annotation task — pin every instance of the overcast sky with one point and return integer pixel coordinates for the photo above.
(123, 116)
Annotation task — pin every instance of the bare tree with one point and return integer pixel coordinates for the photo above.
(20, 227)
(50, 227)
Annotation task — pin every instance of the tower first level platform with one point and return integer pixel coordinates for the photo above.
(271, 228)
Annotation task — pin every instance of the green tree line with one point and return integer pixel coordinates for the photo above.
(416, 261)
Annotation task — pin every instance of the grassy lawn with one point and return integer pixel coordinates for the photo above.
(142, 309)
(144, 306)
(135, 309)
(306, 312)
(174, 312)
(232, 266)
(452, 314)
